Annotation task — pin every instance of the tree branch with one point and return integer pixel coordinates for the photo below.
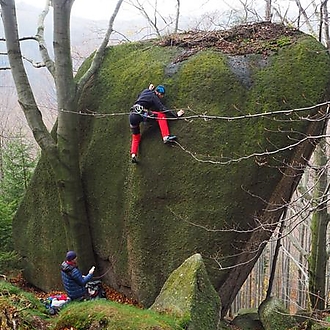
(25, 95)
(306, 18)
(33, 63)
(41, 40)
(99, 54)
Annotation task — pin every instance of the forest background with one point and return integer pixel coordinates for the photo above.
(299, 247)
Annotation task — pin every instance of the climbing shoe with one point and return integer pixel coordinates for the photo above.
(169, 138)
(134, 159)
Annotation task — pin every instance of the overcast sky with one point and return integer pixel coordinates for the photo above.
(102, 9)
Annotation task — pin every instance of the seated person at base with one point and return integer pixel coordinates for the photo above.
(73, 281)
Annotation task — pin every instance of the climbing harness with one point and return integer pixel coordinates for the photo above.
(139, 109)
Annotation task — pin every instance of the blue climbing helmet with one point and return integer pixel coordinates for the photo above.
(160, 89)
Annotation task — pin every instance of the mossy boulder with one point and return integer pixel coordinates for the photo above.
(219, 191)
(189, 295)
(247, 320)
(273, 315)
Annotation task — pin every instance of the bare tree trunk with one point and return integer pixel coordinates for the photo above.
(320, 219)
(268, 11)
(325, 23)
(62, 151)
(274, 263)
(177, 16)
(73, 207)
(62, 154)
(300, 298)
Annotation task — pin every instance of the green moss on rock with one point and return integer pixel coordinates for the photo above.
(273, 315)
(181, 199)
(189, 295)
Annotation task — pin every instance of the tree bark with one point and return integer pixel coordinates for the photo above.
(177, 16)
(62, 152)
(320, 219)
(268, 11)
(275, 258)
(62, 148)
(325, 23)
(73, 208)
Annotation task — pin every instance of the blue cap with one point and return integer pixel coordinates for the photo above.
(160, 89)
(71, 255)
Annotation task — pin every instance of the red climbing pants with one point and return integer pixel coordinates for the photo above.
(135, 143)
(162, 122)
(135, 121)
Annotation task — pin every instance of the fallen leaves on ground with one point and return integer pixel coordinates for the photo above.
(111, 294)
(240, 40)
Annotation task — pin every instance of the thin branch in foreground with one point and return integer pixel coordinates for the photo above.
(34, 63)
(252, 155)
(40, 37)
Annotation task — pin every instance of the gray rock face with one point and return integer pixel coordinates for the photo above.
(189, 295)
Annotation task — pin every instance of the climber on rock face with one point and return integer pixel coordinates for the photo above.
(149, 106)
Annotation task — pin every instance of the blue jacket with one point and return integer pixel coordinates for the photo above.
(73, 281)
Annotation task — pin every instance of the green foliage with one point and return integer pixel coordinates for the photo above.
(7, 289)
(8, 258)
(100, 314)
(29, 312)
(6, 214)
(103, 314)
(9, 261)
(18, 164)
(17, 167)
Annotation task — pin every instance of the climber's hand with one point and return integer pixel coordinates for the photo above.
(180, 113)
(91, 271)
